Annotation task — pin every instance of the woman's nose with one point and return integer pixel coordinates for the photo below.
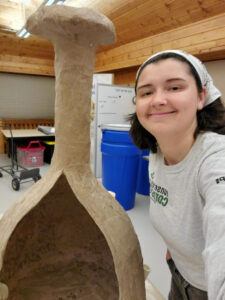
(159, 98)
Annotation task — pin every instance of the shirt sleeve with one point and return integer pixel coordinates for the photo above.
(212, 189)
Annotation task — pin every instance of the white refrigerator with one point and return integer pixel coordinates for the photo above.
(113, 105)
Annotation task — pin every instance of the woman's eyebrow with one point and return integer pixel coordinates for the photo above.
(144, 86)
(175, 79)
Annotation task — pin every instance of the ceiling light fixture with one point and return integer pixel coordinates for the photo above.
(23, 33)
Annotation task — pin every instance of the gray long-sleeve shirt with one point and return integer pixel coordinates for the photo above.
(187, 208)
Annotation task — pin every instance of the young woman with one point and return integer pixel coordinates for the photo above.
(181, 119)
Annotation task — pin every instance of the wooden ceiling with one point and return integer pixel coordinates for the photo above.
(142, 26)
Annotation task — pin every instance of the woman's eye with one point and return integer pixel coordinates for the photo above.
(143, 94)
(146, 93)
(174, 88)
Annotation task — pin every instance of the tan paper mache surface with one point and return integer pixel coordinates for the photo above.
(68, 238)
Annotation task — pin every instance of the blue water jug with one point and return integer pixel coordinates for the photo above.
(120, 163)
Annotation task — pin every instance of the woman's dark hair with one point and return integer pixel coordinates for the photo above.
(210, 118)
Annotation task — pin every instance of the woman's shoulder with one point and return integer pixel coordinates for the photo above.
(212, 140)
(211, 143)
(207, 145)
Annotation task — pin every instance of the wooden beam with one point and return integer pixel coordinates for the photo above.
(26, 56)
(11, 44)
(204, 39)
(125, 76)
(26, 65)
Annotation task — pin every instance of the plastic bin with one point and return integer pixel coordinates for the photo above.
(32, 155)
(143, 185)
(120, 162)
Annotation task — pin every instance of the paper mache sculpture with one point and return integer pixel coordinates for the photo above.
(67, 237)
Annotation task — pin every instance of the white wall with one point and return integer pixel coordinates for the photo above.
(29, 96)
(217, 71)
(26, 96)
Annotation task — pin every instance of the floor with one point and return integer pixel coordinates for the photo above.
(153, 248)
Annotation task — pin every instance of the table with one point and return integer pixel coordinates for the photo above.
(22, 137)
(23, 133)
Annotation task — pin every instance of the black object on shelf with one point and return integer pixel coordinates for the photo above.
(49, 150)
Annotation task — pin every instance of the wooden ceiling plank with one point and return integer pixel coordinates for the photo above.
(133, 58)
(123, 7)
(214, 23)
(127, 54)
(138, 14)
(145, 12)
(15, 64)
(152, 27)
(25, 60)
(27, 51)
(32, 47)
(140, 22)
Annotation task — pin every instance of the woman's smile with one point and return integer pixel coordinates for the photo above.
(161, 114)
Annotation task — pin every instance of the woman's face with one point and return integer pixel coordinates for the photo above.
(167, 99)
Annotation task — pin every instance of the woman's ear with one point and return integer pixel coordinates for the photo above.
(201, 99)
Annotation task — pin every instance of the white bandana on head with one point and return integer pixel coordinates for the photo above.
(212, 93)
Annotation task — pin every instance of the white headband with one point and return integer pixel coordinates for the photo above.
(212, 93)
